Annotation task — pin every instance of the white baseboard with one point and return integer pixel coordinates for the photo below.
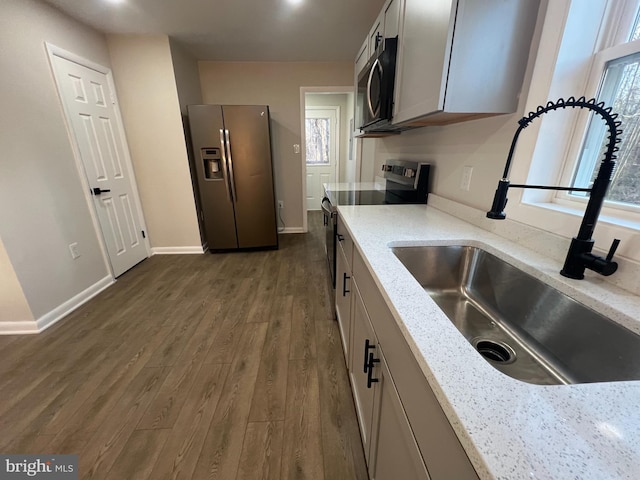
(292, 230)
(176, 250)
(19, 328)
(49, 318)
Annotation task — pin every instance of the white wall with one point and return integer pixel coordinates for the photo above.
(187, 77)
(144, 76)
(42, 206)
(277, 85)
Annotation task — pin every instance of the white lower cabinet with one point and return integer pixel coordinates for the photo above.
(344, 255)
(405, 433)
(394, 451)
(389, 446)
(343, 299)
(363, 342)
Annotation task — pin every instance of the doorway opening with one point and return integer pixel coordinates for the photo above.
(327, 152)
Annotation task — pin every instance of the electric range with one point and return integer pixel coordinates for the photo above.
(406, 182)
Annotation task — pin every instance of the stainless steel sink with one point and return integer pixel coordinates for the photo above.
(522, 326)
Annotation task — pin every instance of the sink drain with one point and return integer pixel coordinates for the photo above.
(495, 351)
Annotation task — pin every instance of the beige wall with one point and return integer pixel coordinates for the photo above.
(42, 206)
(148, 96)
(13, 304)
(277, 85)
(187, 76)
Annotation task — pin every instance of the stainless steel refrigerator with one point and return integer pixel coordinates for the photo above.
(232, 157)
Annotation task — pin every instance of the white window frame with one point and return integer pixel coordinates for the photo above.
(615, 45)
(548, 150)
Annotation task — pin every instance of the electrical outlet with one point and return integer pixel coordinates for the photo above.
(465, 181)
(73, 248)
(296, 148)
(280, 204)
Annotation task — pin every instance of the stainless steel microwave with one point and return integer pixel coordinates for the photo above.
(374, 97)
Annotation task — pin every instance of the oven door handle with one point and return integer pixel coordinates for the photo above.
(327, 208)
(376, 66)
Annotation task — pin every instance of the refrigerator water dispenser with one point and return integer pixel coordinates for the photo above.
(212, 168)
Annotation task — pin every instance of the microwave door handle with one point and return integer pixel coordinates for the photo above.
(225, 173)
(375, 65)
(232, 179)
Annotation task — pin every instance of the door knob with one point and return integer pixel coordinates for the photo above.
(98, 190)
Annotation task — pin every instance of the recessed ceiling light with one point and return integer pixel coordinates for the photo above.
(114, 1)
(295, 2)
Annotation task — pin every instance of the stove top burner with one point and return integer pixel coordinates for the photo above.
(358, 197)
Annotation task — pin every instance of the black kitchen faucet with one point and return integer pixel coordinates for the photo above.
(579, 256)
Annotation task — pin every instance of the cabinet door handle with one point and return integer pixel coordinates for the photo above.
(344, 284)
(367, 346)
(340, 237)
(376, 66)
(371, 362)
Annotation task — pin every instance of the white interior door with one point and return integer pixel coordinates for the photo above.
(322, 143)
(89, 105)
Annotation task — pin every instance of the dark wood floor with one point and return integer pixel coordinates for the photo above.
(225, 366)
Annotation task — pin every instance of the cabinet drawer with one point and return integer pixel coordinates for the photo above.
(441, 450)
(345, 242)
(344, 291)
(395, 452)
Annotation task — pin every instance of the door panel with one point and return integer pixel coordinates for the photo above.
(92, 117)
(363, 395)
(395, 453)
(250, 160)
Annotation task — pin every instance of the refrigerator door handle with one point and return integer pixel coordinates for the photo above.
(225, 173)
(232, 179)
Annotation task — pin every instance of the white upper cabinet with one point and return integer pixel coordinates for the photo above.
(362, 57)
(392, 18)
(376, 34)
(460, 59)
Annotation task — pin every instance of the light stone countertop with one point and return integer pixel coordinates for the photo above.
(509, 429)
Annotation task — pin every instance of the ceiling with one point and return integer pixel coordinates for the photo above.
(240, 30)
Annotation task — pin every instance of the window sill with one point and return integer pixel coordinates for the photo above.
(605, 218)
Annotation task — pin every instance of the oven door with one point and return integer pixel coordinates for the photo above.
(330, 238)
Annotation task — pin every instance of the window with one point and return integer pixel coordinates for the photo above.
(318, 141)
(616, 73)
(586, 48)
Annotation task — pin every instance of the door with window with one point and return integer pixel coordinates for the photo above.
(95, 126)
(321, 141)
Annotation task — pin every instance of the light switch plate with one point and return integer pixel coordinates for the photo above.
(73, 248)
